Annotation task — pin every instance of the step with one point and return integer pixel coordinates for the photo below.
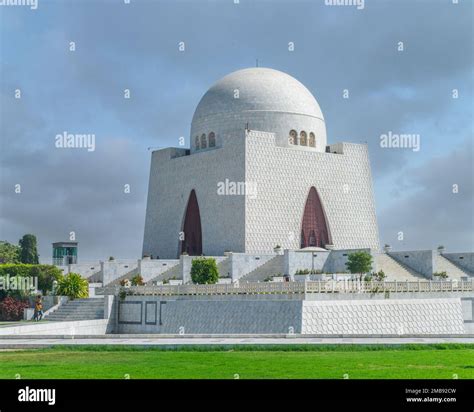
(84, 305)
(98, 315)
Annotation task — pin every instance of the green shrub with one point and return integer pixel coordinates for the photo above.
(204, 271)
(380, 276)
(137, 280)
(122, 293)
(440, 275)
(12, 309)
(74, 286)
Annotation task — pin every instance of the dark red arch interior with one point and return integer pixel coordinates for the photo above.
(192, 243)
(314, 230)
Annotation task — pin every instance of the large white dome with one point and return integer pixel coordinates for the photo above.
(265, 99)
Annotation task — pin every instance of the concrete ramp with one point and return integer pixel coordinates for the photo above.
(453, 271)
(174, 271)
(395, 270)
(46, 328)
(273, 267)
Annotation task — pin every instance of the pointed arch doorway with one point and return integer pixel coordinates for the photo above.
(192, 243)
(314, 229)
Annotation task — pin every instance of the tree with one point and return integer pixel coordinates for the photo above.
(204, 271)
(29, 252)
(9, 253)
(359, 262)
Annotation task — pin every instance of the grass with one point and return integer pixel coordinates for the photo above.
(246, 362)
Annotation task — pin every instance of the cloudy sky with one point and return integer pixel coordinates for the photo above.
(135, 46)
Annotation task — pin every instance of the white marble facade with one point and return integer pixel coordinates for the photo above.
(251, 114)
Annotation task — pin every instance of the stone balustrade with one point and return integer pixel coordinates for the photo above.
(308, 287)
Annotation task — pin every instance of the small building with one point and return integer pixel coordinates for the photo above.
(64, 253)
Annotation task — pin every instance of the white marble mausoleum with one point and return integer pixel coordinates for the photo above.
(259, 173)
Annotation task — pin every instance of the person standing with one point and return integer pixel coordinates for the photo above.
(38, 309)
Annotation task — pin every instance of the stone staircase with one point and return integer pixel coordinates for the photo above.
(395, 270)
(78, 309)
(273, 267)
(173, 272)
(452, 270)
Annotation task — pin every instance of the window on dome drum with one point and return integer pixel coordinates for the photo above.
(303, 138)
(203, 141)
(212, 139)
(293, 138)
(312, 140)
(196, 142)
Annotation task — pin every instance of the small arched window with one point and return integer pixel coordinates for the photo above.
(293, 138)
(312, 140)
(203, 141)
(196, 143)
(303, 138)
(212, 139)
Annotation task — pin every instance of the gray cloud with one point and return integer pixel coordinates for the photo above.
(336, 48)
(427, 210)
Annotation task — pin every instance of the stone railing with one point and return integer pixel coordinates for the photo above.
(387, 286)
(323, 286)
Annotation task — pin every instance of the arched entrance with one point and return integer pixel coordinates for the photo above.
(192, 243)
(314, 230)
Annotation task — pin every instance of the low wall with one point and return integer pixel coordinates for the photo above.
(383, 317)
(297, 260)
(345, 316)
(330, 261)
(140, 314)
(337, 259)
(187, 261)
(422, 261)
(80, 327)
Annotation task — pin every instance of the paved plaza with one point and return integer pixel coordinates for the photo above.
(39, 342)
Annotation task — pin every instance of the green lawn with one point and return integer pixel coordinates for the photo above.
(295, 361)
